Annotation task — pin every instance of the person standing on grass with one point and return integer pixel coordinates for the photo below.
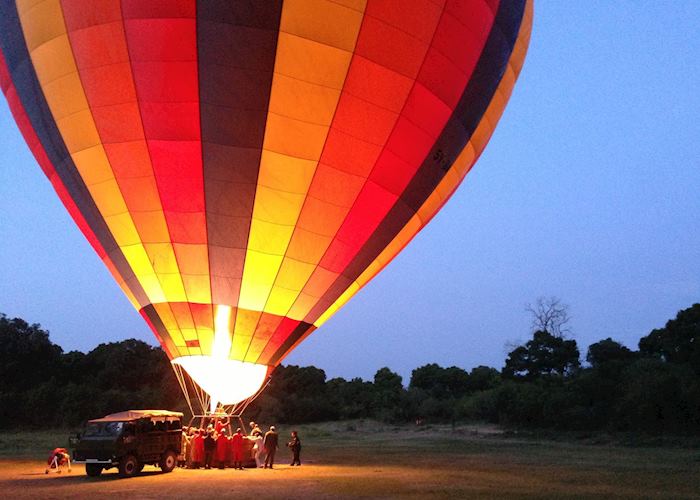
(209, 448)
(222, 446)
(220, 424)
(270, 444)
(295, 446)
(258, 449)
(198, 449)
(191, 433)
(183, 457)
(183, 447)
(237, 449)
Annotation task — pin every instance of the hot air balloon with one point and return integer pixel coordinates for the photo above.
(244, 168)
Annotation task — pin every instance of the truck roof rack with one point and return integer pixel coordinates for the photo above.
(124, 416)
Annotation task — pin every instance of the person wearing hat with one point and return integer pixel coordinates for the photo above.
(254, 428)
(270, 444)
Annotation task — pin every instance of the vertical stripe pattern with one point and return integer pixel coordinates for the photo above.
(271, 157)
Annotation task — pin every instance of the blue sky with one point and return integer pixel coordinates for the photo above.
(587, 191)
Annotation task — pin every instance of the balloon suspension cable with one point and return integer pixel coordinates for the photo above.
(195, 396)
(202, 405)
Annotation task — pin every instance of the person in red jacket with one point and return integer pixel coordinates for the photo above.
(237, 449)
(220, 423)
(198, 449)
(222, 447)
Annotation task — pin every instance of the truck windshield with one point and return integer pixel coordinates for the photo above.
(103, 429)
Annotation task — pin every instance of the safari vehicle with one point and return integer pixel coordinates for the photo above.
(129, 440)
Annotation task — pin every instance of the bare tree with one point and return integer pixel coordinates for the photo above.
(550, 315)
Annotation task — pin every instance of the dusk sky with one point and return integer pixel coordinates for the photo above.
(588, 191)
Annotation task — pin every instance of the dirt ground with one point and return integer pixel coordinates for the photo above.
(390, 463)
(27, 479)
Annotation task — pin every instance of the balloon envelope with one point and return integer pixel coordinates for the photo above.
(244, 168)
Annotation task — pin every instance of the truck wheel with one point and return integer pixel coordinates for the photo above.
(93, 470)
(128, 466)
(168, 461)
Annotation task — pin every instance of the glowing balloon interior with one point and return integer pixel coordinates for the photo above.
(244, 168)
(227, 381)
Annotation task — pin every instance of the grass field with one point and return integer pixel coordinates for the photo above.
(370, 460)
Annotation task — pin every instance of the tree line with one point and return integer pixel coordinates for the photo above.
(542, 385)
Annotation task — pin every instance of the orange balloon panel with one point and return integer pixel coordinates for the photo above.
(248, 166)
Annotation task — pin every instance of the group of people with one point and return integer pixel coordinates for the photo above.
(214, 447)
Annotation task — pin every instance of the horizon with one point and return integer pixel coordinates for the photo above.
(405, 378)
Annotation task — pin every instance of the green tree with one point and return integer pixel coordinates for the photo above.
(483, 378)
(128, 365)
(607, 351)
(301, 394)
(678, 341)
(434, 391)
(27, 356)
(544, 355)
(439, 382)
(388, 395)
(352, 398)
(658, 397)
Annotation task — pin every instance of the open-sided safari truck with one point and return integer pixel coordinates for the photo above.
(129, 440)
